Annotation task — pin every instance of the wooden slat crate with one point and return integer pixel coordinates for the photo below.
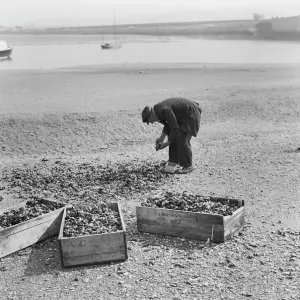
(96, 248)
(201, 226)
(27, 233)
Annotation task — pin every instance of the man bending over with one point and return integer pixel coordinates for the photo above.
(181, 120)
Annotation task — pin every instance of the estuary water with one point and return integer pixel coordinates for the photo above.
(61, 51)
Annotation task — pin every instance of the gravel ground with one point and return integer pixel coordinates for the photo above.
(247, 149)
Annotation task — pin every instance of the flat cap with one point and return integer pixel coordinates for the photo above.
(146, 114)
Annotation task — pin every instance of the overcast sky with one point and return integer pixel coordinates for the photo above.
(100, 12)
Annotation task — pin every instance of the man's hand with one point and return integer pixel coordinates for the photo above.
(157, 147)
(159, 141)
(162, 146)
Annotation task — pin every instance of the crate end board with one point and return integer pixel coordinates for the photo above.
(234, 223)
(93, 249)
(23, 235)
(185, 224)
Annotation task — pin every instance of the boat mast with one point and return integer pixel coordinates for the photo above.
(101, 30)
(115, 25)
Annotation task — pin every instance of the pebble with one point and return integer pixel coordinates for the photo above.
(3, 268)
(179, 265)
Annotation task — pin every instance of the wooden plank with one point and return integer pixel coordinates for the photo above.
(27, 233)
(214, 233)
(180, 223)
(162, 213)
(61, 233)
(236, 202)
(62, 224)
(94, 249)
(4, 233)
(124, 229)
(35, 230)
(234, 223)
(33, 222)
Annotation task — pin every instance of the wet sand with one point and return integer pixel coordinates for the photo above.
(85, 110)
(118, 87)
(247, 149)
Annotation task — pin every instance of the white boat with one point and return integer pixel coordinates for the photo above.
(5, 49)
(112, 44)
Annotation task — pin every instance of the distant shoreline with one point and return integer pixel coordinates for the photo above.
(254, 29)
(217, 35)
(286, 28)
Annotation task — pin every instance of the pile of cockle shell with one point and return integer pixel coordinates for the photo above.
(94, 219)
(190, 202)
(85, 181)
(31, 210)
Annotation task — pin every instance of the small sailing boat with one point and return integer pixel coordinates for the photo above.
(5, 49)
(112, 44)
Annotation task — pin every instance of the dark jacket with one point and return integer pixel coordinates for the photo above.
(178, 114)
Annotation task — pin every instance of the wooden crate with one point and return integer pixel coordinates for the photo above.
(192, 225)
(96, 248)
(27, 233)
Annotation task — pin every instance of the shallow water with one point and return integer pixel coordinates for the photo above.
(57, 51)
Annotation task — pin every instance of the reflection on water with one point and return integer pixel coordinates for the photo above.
(5, 59)
(48, 56)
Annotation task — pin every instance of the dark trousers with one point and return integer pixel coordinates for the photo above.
(180, 151)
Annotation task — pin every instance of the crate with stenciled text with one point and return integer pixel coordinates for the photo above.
(194, 225)
(94, 248)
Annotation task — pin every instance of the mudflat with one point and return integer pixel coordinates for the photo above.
(247, 148)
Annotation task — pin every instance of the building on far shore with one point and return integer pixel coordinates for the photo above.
(291, 24)
(278, 28)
